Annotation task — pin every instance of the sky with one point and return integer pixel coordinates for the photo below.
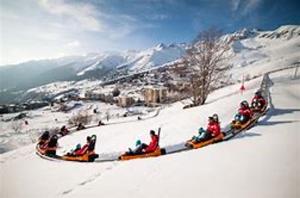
(40, 29)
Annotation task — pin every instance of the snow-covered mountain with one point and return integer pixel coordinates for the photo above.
(255, 52)
(156, 56)
(134, 61)
(74, 68)
(262, 50)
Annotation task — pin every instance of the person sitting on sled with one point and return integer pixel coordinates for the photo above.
(64, 131)
(213, 130)
(73, 151)
(51, 145)
(153, 144)
(80, 127)
(139, 148)
(85, 147)
(44, 138)
(100, 123)
(258, 101)
(244, 113)
(144, 148)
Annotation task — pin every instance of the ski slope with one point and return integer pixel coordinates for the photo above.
(262, 162)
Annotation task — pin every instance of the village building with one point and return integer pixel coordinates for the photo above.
(155, 95)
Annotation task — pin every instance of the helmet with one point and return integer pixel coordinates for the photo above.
(54, 137)
(88, 138)
(152, 132)
(78, 146)
(201, 130)
(258, 93)
(138, 142)
(244, 104)
(215, 117)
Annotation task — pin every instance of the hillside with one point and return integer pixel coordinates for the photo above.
(262, 162)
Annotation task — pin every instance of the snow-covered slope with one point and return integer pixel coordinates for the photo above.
(157, 56)
(256, 52)
(133, 60)
(262, 162)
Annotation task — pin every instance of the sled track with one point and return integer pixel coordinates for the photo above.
(180, 147)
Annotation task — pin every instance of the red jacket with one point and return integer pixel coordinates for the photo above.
(83, 150)
(260, 99)
(153, 144)
(214, 128)
(245, 112)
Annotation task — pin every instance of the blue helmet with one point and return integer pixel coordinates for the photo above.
(201, 130)
(138, 142)
(78, 146)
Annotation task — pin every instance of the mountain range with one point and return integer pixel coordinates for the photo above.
(253, 48)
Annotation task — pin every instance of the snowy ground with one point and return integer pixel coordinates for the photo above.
(48, 119)
(263, 162)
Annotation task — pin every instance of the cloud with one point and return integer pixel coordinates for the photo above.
(159, 16)
(73, 44)
(235, 5)
(84, 15)
(251, 5)
(244, 7)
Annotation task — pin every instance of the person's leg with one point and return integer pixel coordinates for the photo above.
(242, 119)
(207, 136)
(200, 137)
(139, 150)
(144, 146)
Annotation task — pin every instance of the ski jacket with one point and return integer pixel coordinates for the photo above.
(83, 150)
(260, 99)
(244, 111)
(153, 144)
(214, 128)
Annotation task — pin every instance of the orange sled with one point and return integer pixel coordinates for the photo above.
(238, 125)
(87, 157)
(156, 153)
(194, 145)
(46, 150)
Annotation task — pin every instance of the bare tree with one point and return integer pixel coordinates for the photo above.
(205, 61)
(82, 117)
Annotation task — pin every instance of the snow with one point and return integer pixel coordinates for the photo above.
(49, 118)
(262, 53)
(151, 58)
(262, 162)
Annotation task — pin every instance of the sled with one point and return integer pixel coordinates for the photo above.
(87, 157)
(240, 126)
(259, 110)
(46, 151)
(157, 152)
(195, 145)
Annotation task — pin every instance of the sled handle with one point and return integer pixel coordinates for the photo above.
(158, 134)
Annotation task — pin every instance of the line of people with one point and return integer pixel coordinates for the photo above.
(245, 113)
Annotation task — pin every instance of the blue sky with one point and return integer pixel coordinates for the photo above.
(36, 29)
